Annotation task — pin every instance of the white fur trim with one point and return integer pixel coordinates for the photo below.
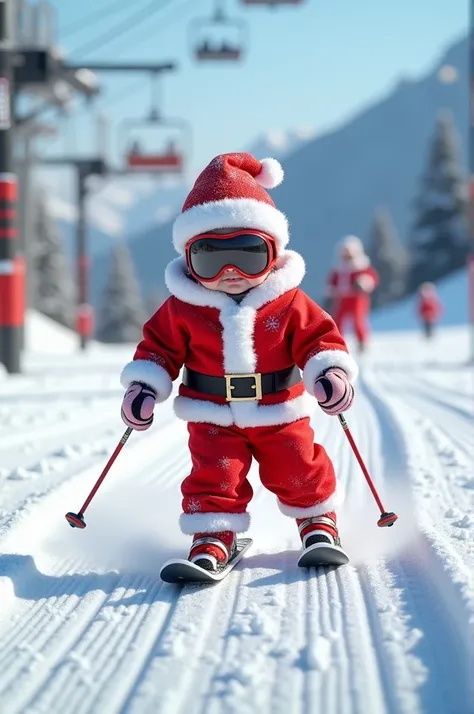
(288, 274)
(142, 370)
(271, 175)
(244, 414)
(317, 364)
(330, 504)
(230, 213)
(201, 411)
(192, 523)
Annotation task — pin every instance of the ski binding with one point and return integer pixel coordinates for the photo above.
(183, 571)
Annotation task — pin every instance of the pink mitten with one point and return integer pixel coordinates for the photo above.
(137, 406)
(333, 391)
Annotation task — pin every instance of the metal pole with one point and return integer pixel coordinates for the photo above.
(470, 260)
(12, 268)
(82, 257)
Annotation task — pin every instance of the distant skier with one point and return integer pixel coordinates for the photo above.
(349, 286)
(243, 329)
(429, 308)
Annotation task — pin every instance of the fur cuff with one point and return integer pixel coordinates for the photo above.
(192, 523)
(143, 370)
(319, 509)
(318, 364)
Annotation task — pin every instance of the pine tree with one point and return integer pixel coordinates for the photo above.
(439, 239)
(122, 313)
(389, 258)
(53, 284)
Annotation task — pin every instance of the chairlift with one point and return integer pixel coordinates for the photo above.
(167, 159)
(225, 45)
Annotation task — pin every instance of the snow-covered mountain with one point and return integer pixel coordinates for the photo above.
(118, 207)
(334, 182)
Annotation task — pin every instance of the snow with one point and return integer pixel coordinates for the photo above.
(86, 624)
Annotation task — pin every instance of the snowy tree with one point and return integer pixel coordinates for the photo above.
(389, 258)
(122, 313)
(54, 291)
(439, 237)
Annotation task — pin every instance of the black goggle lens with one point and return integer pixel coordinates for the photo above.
(247, 252)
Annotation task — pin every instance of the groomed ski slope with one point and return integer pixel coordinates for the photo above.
(86, 625)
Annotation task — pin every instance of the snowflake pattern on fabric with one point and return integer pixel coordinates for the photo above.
(157, 359)
(225, 485)
(213, 431)
(193, 505)
(272, 324)
(224, 463)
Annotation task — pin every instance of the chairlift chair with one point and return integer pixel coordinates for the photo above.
(206, 48)
(170, 160)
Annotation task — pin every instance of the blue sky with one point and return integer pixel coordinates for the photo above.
(312, 65)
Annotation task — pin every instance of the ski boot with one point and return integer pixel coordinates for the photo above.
(321, 542)
(212, 551)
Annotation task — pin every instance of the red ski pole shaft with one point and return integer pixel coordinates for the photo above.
(106, 470)
(361, 463)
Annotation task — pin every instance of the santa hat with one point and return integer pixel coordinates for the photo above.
(353, 244)
(230, 193)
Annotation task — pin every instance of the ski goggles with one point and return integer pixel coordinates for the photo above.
(249, 253)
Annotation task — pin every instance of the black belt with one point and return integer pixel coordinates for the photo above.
(242, 387)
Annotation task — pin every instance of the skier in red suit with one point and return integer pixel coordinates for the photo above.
(429, 308)
(350, 285)
(255, 350)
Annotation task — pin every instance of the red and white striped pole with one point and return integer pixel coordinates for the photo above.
(12, 269)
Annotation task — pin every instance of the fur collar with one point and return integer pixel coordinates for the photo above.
(288, 274)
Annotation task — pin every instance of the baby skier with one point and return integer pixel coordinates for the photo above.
(241, 327)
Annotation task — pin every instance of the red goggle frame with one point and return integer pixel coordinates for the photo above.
(269, 240)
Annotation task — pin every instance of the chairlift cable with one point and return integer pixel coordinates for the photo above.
(93, 17)
(121, 28)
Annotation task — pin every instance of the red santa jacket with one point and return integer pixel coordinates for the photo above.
(429, 308)
(275, 326)
(353, 280)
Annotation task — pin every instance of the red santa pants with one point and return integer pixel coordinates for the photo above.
(294, 468)
(355, 307)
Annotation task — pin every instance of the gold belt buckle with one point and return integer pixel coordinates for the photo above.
(257, 386)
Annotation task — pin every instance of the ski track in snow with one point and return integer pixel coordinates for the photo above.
(86, 625)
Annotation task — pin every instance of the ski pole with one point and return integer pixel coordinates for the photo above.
(386, 518)
(76, 520)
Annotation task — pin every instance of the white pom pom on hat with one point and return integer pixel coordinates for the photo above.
(271, 175)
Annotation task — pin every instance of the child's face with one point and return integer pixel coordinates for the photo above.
(231, 281)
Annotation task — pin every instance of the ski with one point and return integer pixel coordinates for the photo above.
(183, 571)
(322, 554)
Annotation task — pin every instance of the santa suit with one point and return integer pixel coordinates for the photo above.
(274, 327)
(350, 286)
(429, 308)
